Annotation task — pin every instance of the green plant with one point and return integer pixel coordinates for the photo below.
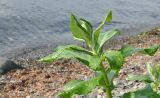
(94, 57)
(152, 81)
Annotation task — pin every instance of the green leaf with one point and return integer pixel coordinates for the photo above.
(62, 51)
(79, 87)
(91, 61)
(87, 26)
(143, 78)
(72, 51)
(105, 37)
(115, 59)
(147, 92)
(78, 31)
(156, 86)
(111, 75)
(89, 29)
(66, 95)
(151, 51)
(127, 50)
(154, 72)
(107, 19)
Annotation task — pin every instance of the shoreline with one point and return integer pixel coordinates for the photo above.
(43, 50)
(46, 47)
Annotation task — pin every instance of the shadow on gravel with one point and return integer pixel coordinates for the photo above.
(7, 65)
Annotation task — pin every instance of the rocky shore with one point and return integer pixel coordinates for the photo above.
(45, 80)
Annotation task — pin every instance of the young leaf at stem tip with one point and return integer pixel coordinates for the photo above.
(107, 19)
(78, 31)
(104, 37)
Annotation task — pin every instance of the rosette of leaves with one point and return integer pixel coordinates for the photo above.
(93, 57)
(152, 81)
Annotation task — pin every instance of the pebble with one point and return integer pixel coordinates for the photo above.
(55, 96)
(28, 97)
(7, 65)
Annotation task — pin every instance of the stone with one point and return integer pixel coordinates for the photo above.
(28, 96)
(56, 96)
(92, 95)
(7, 65)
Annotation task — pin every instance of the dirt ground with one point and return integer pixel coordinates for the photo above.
(45, 80)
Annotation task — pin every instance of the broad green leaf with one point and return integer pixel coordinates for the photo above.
(62, 50)
(105, 37)
(72, 84)
(127, 50)
(154, 72)
(151, 51)
(107, 19)
(91, 61)
(115, 59)
(147, 92)
(72, 51)
(78, 31)
(79, 87)
(143, 78)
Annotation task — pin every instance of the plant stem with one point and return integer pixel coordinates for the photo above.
(108, 89)
(106, 80)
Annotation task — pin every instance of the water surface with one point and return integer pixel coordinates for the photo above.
(35, 23)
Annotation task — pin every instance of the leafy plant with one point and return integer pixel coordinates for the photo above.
(152, 81)
(94, 57)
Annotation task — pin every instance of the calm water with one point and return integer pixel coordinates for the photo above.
(34, 23)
